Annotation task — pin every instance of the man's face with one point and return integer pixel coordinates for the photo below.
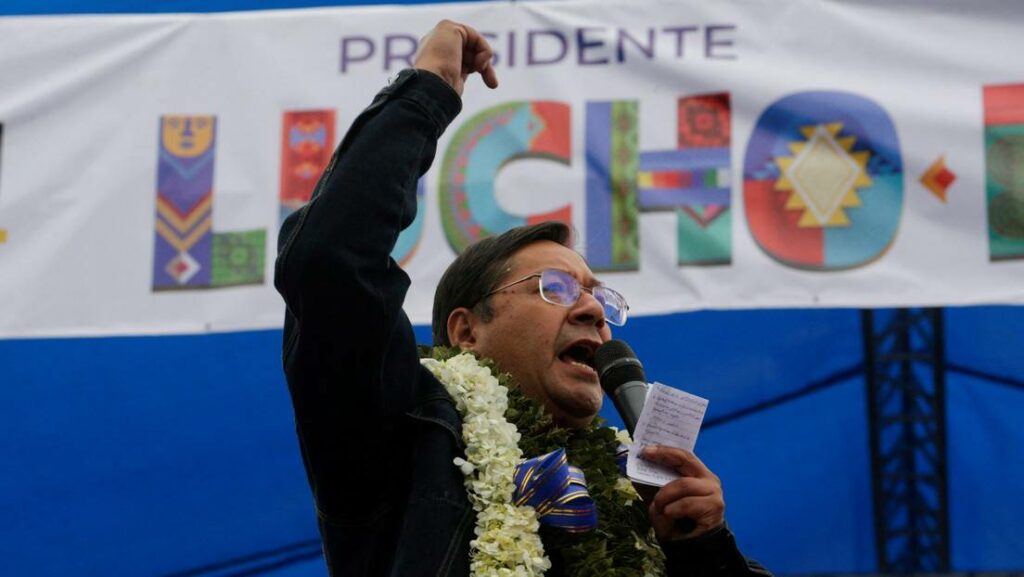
(547, 348)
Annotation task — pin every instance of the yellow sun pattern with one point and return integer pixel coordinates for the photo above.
(823, 175)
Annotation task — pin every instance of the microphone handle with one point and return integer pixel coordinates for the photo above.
(629, 400)
(685, 525)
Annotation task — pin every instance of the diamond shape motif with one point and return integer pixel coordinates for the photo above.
(938, 178)
(822, 174)
(182, 267)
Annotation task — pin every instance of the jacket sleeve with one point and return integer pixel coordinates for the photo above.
(349, 350)
(343, 291)
(712, 555)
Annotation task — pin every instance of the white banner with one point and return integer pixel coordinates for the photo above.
(730, 154)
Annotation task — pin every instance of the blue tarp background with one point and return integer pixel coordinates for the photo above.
(176, 455)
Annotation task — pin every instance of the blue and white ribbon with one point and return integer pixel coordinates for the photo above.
(557, 491)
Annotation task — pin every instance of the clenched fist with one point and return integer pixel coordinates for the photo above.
(454, 51)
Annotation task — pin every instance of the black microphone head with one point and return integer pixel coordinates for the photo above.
(616, 364)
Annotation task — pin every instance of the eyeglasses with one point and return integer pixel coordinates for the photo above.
(559, 287)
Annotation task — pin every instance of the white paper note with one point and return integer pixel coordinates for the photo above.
(671, 418)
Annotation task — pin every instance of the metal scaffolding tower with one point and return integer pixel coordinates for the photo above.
(905, 370)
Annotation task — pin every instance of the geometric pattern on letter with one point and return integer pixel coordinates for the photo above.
(695, 180)
(484, 145)
(613, 160)
(184, 202)
(823, 181)
(238, 257)
(824, 176)
(307, 138)
(183, 254)
(692, 180)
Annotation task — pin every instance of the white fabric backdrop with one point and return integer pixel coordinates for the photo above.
(85, 103)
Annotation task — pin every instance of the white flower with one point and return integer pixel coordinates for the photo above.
(507, 542)
(622, 436)
(465, 466)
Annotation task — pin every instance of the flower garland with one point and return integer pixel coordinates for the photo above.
(506, 534)
(500, 425)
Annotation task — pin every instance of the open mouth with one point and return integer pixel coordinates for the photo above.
(580, 353)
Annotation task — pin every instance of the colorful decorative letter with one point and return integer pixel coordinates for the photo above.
(307, 140)
(188, 254)
(693, 180)
(823, 181)
(613, 229)
(480, 149)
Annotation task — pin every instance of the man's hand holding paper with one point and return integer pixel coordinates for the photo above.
(662, 455)
(695, 495)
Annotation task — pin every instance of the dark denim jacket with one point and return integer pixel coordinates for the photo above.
(377, 432)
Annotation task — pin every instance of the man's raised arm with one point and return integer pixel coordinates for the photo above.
(349, 350)
(343, 291)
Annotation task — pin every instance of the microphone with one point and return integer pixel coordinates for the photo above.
(622, 378)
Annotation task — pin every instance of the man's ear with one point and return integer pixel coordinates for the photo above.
(462, 328)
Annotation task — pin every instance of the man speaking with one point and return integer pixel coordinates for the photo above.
(435, 466)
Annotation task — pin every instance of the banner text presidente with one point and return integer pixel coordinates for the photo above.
(586, 46)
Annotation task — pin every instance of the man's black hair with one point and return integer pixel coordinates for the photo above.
(479, 268)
